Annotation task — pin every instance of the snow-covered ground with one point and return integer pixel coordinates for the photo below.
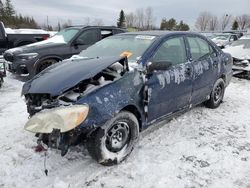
(201, 148)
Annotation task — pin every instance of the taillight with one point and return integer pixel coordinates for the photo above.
(45, 37)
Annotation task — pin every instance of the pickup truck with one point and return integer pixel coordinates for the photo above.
(31, 59)
(11, 40)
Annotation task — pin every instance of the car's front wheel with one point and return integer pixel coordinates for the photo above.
(217, 94)
(44, 64)
(114, 141)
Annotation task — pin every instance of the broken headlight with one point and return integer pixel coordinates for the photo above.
(62, 118)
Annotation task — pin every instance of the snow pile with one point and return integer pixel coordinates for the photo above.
(201, 148)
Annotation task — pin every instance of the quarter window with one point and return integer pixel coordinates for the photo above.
(199, 48)
(172, 50)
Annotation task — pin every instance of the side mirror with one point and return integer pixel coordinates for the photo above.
(78, 42)
(158, 65)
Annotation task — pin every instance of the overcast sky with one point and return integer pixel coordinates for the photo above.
(108, 11)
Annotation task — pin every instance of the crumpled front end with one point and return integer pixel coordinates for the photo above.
(57, 119)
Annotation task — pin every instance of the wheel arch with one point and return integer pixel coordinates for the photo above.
(223, 76)
(55, 57)
(134, 110)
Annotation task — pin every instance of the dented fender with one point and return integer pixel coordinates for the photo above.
(107, 101)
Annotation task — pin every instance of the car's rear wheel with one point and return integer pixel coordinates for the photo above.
(217, 94)
(114, 141)
(44, 64)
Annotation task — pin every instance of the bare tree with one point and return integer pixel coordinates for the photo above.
(87, 21)
(203, 21)
(67, 24)
(149, 18)
(213, 23)
(130, 19)
(225, 21)
(140, 18)
(98, 22)
(243, 21)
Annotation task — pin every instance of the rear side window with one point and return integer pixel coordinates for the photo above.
(172, 50)
(89, 37)
(106, 33)
(199, 48)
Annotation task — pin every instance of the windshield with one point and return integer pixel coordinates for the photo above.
(132, 46)
(220, 37)
(64, 36)
(245, 43)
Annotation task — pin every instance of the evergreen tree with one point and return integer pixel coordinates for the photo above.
(235, 25)
(168, 24)
(2, 13)
(182, 26)
(9, 9)
(9, 17)
(121, 20)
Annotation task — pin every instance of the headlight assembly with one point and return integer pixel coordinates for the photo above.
(27, 56)
(62, 118)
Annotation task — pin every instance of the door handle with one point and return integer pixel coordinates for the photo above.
(188, 71)
(215, 63)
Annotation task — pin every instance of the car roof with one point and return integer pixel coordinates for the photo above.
(159, 33)
(86, 26)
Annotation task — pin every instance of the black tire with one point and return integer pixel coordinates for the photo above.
(44, 64)
(111, 144)
(217, 94)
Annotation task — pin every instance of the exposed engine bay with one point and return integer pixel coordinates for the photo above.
(38, 102)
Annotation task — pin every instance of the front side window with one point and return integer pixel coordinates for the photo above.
(199, 48)
(64, 36)
(89, 37)
(172, 50)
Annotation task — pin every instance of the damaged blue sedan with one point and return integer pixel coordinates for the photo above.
(119, 86)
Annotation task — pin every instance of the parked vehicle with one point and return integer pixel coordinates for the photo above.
(240, 51)
(11, 40)
(224, 39)
(2, 70)
(120, 86)
(32, 59)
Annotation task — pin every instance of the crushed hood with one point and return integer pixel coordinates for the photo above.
(60, 77)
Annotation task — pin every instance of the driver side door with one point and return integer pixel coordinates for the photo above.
(170, 90)
(84, 40)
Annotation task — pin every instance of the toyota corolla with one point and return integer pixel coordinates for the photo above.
(121, 85)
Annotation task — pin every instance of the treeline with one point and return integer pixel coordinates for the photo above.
(12, 19)
(173, 25)
(206, 21)
(144, 19)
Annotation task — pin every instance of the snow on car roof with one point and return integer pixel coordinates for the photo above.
(25, 31)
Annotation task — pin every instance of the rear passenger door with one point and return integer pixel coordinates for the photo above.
(205, 62)
(170, 90)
